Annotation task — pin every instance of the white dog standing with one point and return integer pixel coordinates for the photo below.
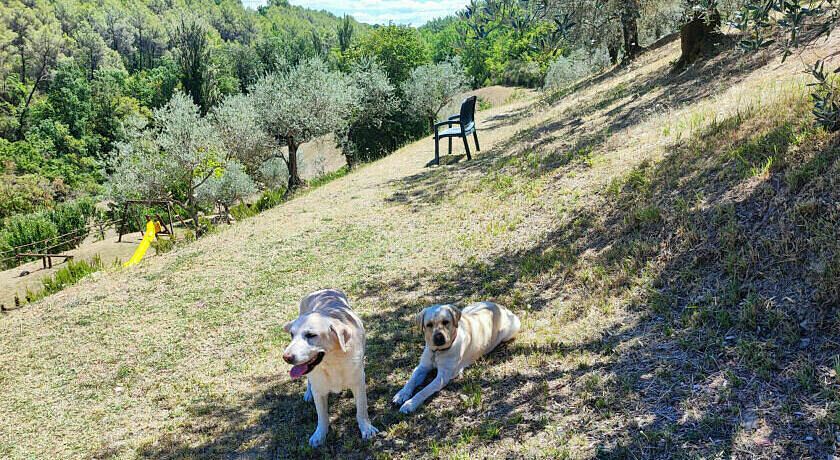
(328, 346)
(454, 340)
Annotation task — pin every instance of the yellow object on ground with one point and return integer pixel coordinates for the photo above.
(148, 237)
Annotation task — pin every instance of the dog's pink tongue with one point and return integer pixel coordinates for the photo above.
(298, 371)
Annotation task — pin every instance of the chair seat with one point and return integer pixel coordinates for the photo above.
(451, 132)
(456, 132)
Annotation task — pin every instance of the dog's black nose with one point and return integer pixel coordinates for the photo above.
(288, 358)
(439, 339)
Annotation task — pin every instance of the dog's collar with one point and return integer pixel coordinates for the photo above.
(454, 337)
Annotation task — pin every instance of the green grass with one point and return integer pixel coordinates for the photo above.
(328, 177)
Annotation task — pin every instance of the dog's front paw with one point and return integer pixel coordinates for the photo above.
(317, 438)
(409, 407)
(402, 396)
(368, 430)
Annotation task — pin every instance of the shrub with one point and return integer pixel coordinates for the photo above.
(243, 211)
(274, 174)
(65, 276)
(232, 185)
(164, 245)
(23, 194)
(71, 219)
(55, 230)
(521, 73)
(578, 64)
(29, 232)
(269, 199)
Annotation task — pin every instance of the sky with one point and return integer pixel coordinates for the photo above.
(410, 12)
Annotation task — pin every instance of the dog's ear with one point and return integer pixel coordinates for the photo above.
(288, 326)
(342, 335)
(456, 314)
(419, 317)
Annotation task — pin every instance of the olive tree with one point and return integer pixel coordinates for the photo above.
(274, 174)
(301, 104)
(376, 100)
(173, 158)
(227, 187)
(241, 132)
(431, 87)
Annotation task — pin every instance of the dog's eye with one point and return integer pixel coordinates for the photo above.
(429, 325)
(309, 335)
(445, 322)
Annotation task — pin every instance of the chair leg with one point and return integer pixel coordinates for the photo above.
(467, 147)
(437, 150)
(450, 145)
(475, 136)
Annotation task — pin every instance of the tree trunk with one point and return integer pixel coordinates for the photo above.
(696, 36)
(295, 181)
(613, 52)
(25, 110)
(22, 64)
(432, 124)
(630, 29)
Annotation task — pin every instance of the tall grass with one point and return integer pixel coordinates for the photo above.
(65, 277)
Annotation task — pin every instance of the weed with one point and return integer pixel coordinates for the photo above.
(758, 356)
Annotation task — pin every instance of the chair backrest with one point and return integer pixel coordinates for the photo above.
(468, 114)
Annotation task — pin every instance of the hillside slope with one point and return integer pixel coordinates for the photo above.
(670, 243)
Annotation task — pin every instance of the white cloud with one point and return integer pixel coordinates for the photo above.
(412, 12)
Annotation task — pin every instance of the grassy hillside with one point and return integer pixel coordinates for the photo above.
(670, 243)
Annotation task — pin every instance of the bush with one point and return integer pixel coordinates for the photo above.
(29, 232)
(232, 185)
(23, 194)
(65, 277)
(164, 245)
(71, 219)
(274, 174)
(578, 64)
(269, 199)
(243, 211)
(55, 230)
(521, 73)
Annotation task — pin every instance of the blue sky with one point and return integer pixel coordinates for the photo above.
(412, 12)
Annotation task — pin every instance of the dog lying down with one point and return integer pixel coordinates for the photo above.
(454, 340)
(328, 347)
